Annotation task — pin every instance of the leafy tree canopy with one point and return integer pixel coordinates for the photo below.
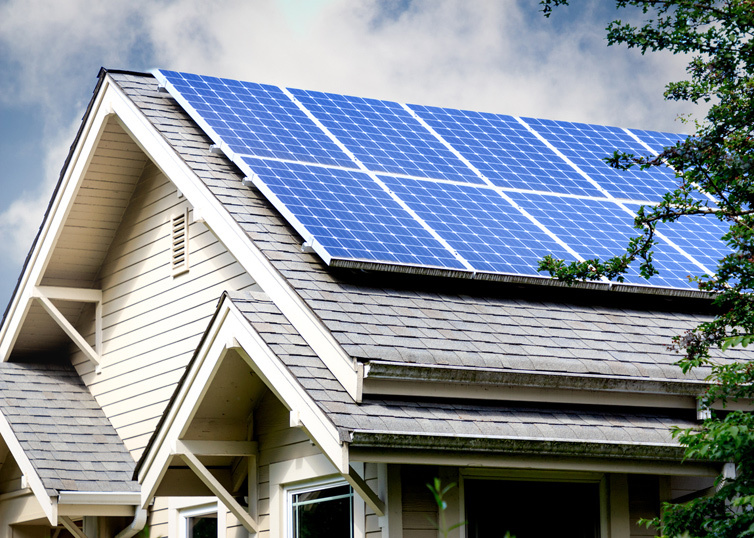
(714, 170)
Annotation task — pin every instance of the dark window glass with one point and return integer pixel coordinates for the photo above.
(202, 526)
(324, 513)
(531, 509)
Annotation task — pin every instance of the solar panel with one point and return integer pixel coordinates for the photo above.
(368, 182)
(384, 136)
(254, 119)
(657, 140)
(484, 228)
(587, 146)
(349, 215)
(699, 237)
(505, 151)
(601, 229)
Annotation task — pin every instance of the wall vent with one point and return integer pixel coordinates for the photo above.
(179, 251)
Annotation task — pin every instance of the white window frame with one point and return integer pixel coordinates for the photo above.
(182, 509)
(305, 472)
(314, 486)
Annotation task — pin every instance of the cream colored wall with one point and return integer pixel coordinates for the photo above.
(152, 321)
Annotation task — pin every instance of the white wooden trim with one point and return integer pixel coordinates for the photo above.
(232, 329)
(53, 224)
(219, 220)
(81, 295)
(47, 503)
(220, 448)
(72, 527)
(98, 497)
(215, 487)
(361, 487)
(69, 329)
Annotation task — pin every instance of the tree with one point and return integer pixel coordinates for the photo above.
(714, 170)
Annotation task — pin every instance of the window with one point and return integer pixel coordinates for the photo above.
(200, 522)
(320, 511)
(532, 509)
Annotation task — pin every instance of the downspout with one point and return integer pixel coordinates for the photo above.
(140, 520)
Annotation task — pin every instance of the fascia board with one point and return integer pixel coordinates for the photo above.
(234, 238)
(47, 503)
(232, 331)
(53, 224)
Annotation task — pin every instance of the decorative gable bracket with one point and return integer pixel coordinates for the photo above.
(46, 294)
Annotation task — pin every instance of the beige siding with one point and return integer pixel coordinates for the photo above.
(419, 508)
(152, 321)
(643, 502)
(278, 442)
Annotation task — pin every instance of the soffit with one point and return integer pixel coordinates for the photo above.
(91, 224)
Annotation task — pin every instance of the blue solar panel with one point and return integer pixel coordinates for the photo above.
(658, 140)
(601, 229)
(255, 119)
(385, 137)
(587, 146)
(350, 215)
(505, 151)
(479, 224)
(698, 236)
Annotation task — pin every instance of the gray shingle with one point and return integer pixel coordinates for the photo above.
(62, 429)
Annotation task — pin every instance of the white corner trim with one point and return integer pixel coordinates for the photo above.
(48, 504)
(230, 233)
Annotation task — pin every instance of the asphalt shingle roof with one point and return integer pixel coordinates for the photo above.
(382, 420)
(420, 325)
(63, 431)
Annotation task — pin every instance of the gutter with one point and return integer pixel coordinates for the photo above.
(517, 445)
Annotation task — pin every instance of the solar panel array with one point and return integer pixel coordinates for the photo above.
(370, 182)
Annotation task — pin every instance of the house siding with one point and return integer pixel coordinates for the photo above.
(152, 321)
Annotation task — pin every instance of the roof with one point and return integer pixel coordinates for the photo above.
(418, 320)
(63, 431)
(451, 425)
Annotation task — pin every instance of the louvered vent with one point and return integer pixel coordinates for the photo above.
(180, 243)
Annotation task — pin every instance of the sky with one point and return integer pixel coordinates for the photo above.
(490, 55)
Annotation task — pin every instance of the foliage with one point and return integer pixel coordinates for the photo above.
(714, 172)
(439, 492)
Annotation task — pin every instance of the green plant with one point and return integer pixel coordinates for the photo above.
(439, 492)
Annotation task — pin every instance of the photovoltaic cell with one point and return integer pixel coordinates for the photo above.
(699, 236)
(505, 151)
(484, 228)
(601, 229)
(256, 119)
(385, 137)
(587, 146)
(658, 140)
(350, 215)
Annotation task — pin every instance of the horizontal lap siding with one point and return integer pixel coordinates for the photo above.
(152, 321)
(278, 442)
(419, 508)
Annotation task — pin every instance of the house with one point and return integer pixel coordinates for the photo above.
(202, 343)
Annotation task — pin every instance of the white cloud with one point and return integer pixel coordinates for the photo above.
(495, 56)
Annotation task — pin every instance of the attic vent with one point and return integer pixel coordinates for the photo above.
(179, 251)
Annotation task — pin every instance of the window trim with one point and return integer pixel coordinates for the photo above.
(532, 475)
(304, 471)
(181, 509)
(317, 485)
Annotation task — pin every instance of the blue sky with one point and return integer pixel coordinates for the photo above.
(497, 56)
